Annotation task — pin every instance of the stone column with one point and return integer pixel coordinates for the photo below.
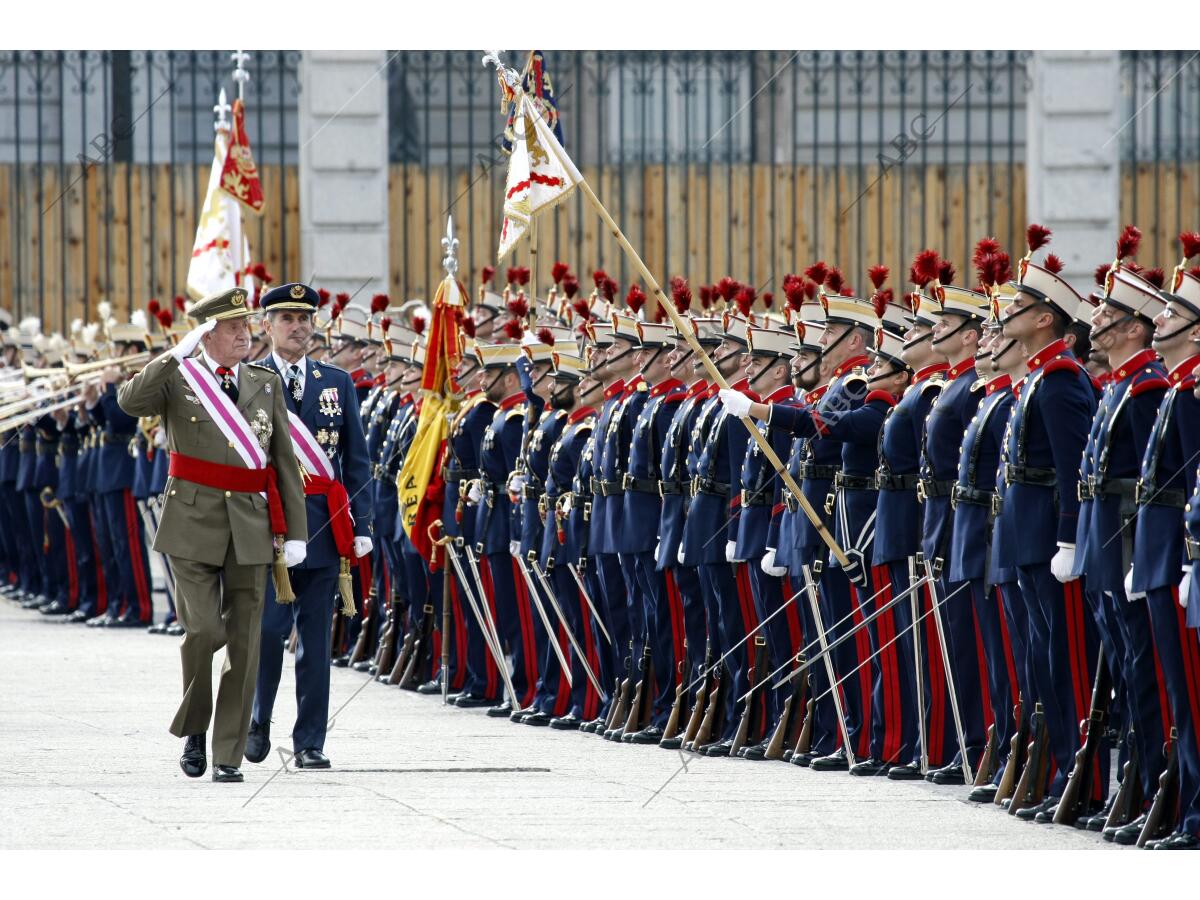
(344, 171)
(1073, 165)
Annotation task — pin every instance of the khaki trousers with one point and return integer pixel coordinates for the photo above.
(218, 606)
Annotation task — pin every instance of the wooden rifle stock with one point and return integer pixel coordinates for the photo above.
(1076, 799)
(406, 648)
(699, 704)
(676, 715)
(422, 647)
(620, 707)
(1016, 749)
(989, 760)
(1032, 786)
(804, 739)
(1164, 811)
(754, 701)
(637, 716)
(708, 725)
(1128, 802)
(366, 627)
(385, 653)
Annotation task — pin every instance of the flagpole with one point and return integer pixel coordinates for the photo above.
(714, 373)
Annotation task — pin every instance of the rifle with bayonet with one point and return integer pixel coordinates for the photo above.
(677, 714)
(385, 653)
(1164, 811)
(707, 684)
(1076, 799)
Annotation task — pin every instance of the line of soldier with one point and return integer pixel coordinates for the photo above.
(1009, 471)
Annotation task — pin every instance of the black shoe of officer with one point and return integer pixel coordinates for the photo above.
(472, 701)
(311, 758)
(1029, 813)
(1097, 821)
(569, 722)
(342, 661)
(537, 718)
(834, 762)
(1180, 840)
(651, 734)
(432, 686)
(869, 768)
(363, 665)
(804, 759)
(1126, 834)
(501, 710)
(985, 793)
(194, 760)
(57, 608)
(951, 774)
(672, 743)
(227, 774)
(720, 748)
(755, 752)
(516, 715)
(175, 629)
(1046, 816)
(906, 772)
(158, 628)
(258, 741)
(33, 601)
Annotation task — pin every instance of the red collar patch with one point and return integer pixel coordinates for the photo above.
(1130, 367)
(1039, 359)
(850, 364)
(512, 400)
(581, 413)
(929, 370)
(959, 369)
(999, 383)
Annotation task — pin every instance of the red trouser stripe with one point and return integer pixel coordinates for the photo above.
(1073, 601)
(525, 621)
(794, 625)
(562, 697)
(675, 605)
(1164, 702)
(591, 699)
(1189, 649)
(985, 688)
(136, 555)
(862, 646)
(101, 587)
(885, 630)
(72, 571)
(1010, 662)
(489, 594)
(937, 680)
(460, 635)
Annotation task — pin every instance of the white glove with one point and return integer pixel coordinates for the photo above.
(294, 552)
(731, 551)
(679, 554)
(736, 403)
(474, 495)
(191, 340)
(767, 564)
(514, 549)
(1063, 563)
(516, 481)
(568, 502)
(1129, 594)
(1184, 586)
(362, 546)
(160, 437)
(657, 547)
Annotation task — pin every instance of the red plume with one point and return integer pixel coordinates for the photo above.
(514, 329)
(635, 299)
(522, 274)
(153, 308)
(486, 274)
(418, 324)
(1156, 277)
(165, 319)
(706, 293)
(660, 313)
(744, 299)
(379, 303)
(985, 247)
(945, 272)
(880, 300)
(609, 289)
(581, 307)
(518, 306)
(1191, 243)
(468, 327)
(323, 296)
(1101, 273)
(570, 286)
(180, 304)
(810, 289)
(1052, 264)
(342, 300)
(793, 289)
(768, 299)
(681, 294)
(1036, 237)
(546, 336)
(1001, 268)
(559, 271)
(878, 275)
(1129, 241)
(599, 277)
(924, 268)
(817, 272)
(385, 324)
(727, 287)
(835, 280)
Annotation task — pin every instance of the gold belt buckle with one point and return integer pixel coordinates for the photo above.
(743, 496)
(921, 495)
(997, 505)
(830, 500)
(627, 481)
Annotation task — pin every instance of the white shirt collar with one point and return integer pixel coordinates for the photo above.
(283, 365)
(213, 365)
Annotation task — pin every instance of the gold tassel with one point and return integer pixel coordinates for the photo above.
(283, 584)
(346, 588)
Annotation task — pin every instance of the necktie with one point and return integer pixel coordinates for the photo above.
(293, 385)
(228, 385)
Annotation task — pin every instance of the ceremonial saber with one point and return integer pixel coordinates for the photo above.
(811, 589)
(919, 668)
(931, 570)
(514, 82)
(550, 635)
(588, 600)
(537, 570)
(484, 622)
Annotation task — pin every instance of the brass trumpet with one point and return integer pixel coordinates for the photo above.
(75, 370)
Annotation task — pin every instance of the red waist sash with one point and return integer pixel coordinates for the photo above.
(232, 478)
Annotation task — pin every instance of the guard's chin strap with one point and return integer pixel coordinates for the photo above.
(1111, 325)
(542, 378)
(682, 359)
(892, 373)
(621, 355)
(996, 354)
(657, 353)
(762, 373)
(499, 374)
(797, 377)
(1191, 323)
(1024, 309)
(728, 356)
(950, 334)
(927, 336)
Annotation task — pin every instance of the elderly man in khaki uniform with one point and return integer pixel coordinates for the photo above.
(234, 501)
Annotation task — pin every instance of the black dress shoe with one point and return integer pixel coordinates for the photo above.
(1046, 816)
(1096, 822)
(128, 622)
(1126, 834)
(951, 774)
(907, 772)
(472, 701)
(175, 629)
(671, 743)
(568, 722)
(363, 665)
(57, 608)
(194, 760)
(985, 793)
(869, 768)
(101, 621)
(432, 686)
(157, 628)
(787, 755)
(804, 759)
(1180, 840)
(593, 726)
(755, 752)
(500, 710)
(834, 762)
(76, 617)
(342, 661)
(258, 741)
(227, 774)
(1029, 813)
(518, 714)
(311, 759)
(720, 748)
(537, 717)
(651, 734)
(33, 601)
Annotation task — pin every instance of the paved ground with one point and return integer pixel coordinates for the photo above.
(84, 722)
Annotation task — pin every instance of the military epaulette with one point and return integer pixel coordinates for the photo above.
(261, 364)
(675, 397)
(1187, 383)
(515, 411)
(882, 396)
(1062, 364)
(979, 385)
(320, 363)
(1148, 382)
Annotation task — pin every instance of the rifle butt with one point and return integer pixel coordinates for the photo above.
(699, 705)
(709, 722)
(1164, 810)
(779, 735)
(1020, 739)
(402, 658)
(1129, 797)
(804, 739)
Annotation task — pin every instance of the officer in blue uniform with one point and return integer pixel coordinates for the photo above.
(1122, 328)
(1167, 481)
(323, 398)
(1040, 462)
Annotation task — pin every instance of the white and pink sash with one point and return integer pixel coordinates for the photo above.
(222, 410)
(308, 451)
